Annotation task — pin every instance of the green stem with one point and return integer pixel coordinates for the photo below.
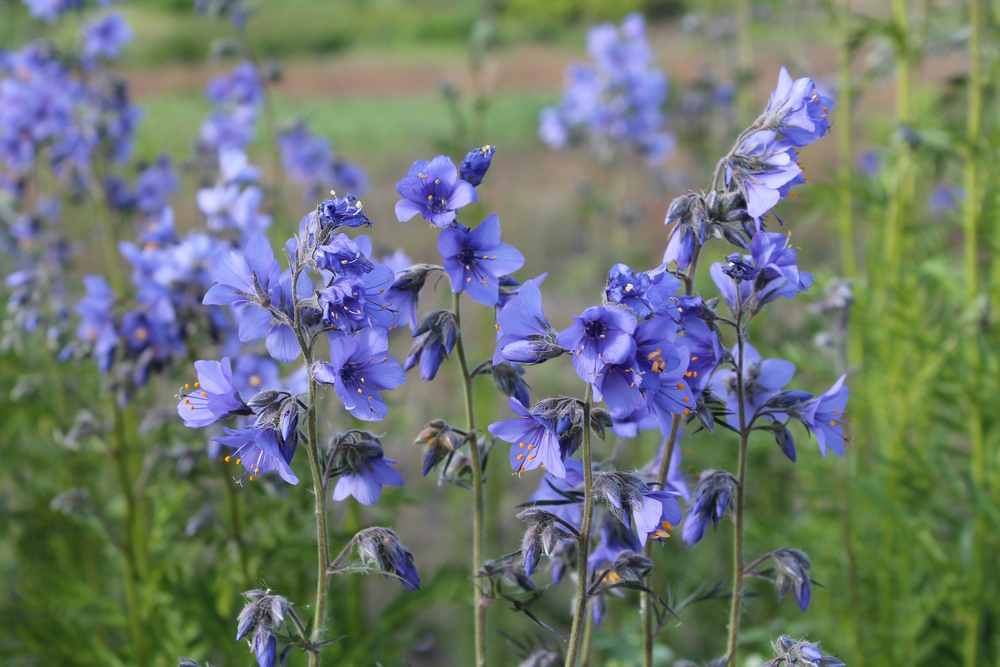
(119, 454)
(580, 615)
(477, 486)
(319, 484)
(588, 636)
(741, 475)
(843, 111)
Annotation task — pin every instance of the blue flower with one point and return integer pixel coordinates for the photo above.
(526, 336)
(214, 396)
(779, 262)
(437, 335)
(353, 302)
(613, 538)
(252, 373)
(476, 164)
(360, 369)
(735, 293)
(260, 450)
(240, 87)
(600, 336)
(365, 470)
(797, 110)
(381, 546)
(97, 324)
(763, 170)
(534, 439)
(712, 498)
(552, 488)
(475, 259)
(642, 293)
(342, 256)
(705, 349)
(155, 185)
(342, 212)
(825, 415)
(664, 388)
(657, 514)
(50, 10)
(264, 649)
(434, 190)
(404, 293)
(763, 379)
(105, 37)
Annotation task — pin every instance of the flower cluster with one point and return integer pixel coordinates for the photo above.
(309, 160)
(617, 97)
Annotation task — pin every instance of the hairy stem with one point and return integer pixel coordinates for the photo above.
(588, 637)
(319, 483)
(739, 576)
(477, 485)
(579, 616)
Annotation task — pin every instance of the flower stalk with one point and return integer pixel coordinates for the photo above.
(580, 615)
(477, 484)
(739, 576)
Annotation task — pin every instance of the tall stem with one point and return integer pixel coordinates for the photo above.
(976, 444)
(843, 111)
(119, 454)
(741, 476)
(319, 484)
(580, 615)
(477, 486)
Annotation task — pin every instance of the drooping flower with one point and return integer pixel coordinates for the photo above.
(260, 450)
(352, 302)
(244, 280)
(214, 396)
(360, 369)
(381, 546)
(434, 190)
(600, 336)
(436, 337)
(825, 415)
(476, 163)
(526, 337)
(342, 212)
(364, 470)
(705, 349)
(475, 259)
(712, 499)
(342, 256)
(534, 441)
(404, 293)
(154, 186)
(797, 110)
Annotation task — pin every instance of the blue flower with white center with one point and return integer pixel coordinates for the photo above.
(476, 259)
(434, 190)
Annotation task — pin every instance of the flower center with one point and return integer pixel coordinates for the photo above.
(595, 329)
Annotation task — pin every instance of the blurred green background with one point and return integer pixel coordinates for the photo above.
(902, 532)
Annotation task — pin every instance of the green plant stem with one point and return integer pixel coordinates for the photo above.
(319, 484)
(741, 475)
(119, 453)
(843, 111)
(588, 637)
(580, 615)
(477, 485)
(744, 60)
(971, 213)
